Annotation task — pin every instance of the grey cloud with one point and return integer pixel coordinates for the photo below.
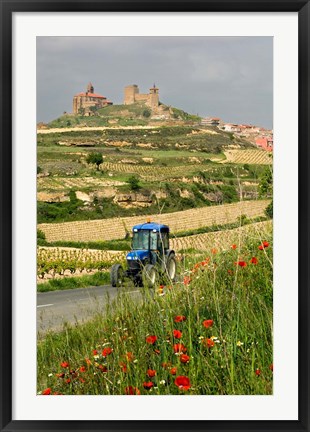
(226, 77)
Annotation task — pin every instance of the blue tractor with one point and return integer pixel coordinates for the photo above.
(150, 261)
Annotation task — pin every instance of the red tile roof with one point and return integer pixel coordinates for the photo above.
(96, 95)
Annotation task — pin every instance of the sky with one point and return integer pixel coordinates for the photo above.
(226, 77)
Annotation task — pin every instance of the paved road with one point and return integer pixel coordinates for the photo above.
(54, 308)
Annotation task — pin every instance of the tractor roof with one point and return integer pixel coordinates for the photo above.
(151, 226)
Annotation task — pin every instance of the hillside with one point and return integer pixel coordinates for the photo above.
(137, 114)
(161, 160)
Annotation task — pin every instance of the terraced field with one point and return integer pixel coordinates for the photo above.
(151, 172)
(61, 261)
(65, 183)
(253, 157)
(116, 228)
(221, 240)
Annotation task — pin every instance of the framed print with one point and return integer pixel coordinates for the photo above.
(154, 215)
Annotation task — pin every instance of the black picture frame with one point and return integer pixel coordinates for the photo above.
(7, 9)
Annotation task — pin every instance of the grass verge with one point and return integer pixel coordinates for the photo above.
(96, 279)
(210, 334)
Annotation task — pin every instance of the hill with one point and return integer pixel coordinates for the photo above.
(137, 114)
(151, 160)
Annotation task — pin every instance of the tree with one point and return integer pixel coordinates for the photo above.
(147, 113)
(95, 158)
(266, 183)
(266, 189)
(134, 183)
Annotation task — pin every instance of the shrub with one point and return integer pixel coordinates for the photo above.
(94, 158)
(134, 183)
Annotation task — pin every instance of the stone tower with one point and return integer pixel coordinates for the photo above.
(90, 88)
(154, 97)
(130, 94)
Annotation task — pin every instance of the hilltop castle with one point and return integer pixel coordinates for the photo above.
(132, 96)
(86, 102)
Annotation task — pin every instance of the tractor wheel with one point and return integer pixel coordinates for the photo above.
(117, 275)
(149, 276)
(171, 267)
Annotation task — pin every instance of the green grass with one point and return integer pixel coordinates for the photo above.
(97, 279)
(233, 356)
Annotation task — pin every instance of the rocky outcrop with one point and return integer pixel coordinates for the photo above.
(52, 197)
(133, 200)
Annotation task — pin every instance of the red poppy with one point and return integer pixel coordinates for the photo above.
(68, 381)
(257, 372)
(103, 368)
(132, 391)
(106, 351)
(173, 371)
(230, 272)
(209, 343)
(82, 369)
(264, 245)
(182, 382)
(234, 246)
(123, 366)
(241, 263)
(178, 348)
(151, 339)
(177, 334)
(46, 392)
(88, 361)
(207, 323)
(64, 364)
(186, 280)
(166, 365)
(214, 251)
(95, 352)
(82, 380)
(151, 373)
(254, 260)
(184, 358)
(148, 385)
(156, 351)
(60, 375)
(271, 367)
(129, 356)
(179, 318)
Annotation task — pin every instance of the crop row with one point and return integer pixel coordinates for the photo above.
(56, 261)
(258, 157)
(146, 170)
(56, 183)
(117, 228)
(221, 240)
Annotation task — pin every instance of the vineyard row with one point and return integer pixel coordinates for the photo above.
(117, 228)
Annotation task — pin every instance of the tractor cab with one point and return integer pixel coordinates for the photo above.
(150, 241)
(150, 259)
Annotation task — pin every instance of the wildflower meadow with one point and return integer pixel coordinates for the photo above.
(209, 333)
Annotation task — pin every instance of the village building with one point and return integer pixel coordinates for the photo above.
(231, 127)
(86, 103)
(210, 121)
(265, 143)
